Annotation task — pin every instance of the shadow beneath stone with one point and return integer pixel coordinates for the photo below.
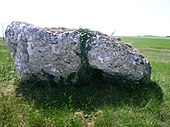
(88, 97)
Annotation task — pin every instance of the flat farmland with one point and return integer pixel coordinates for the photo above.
(96, 105)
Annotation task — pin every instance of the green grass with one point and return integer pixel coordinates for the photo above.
(35, 104)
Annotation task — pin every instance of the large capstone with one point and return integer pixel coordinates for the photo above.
(56, 52)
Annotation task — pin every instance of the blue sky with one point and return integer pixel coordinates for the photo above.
(127, 17)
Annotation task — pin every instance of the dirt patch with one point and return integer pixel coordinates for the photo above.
(88, 119)
(57, 30)
(8, 90)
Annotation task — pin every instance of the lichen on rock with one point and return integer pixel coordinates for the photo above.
(61, 53)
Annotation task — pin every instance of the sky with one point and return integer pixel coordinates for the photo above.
(125, 17)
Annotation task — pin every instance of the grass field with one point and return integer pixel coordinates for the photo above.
(96, 105)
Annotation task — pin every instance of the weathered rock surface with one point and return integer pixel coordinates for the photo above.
(56, 52)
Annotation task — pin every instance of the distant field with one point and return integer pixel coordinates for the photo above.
(97, 105)
(151, 42)
(153, 48)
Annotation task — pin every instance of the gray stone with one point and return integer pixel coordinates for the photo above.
(56, 52)
(118, 59)
(36, 50)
